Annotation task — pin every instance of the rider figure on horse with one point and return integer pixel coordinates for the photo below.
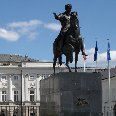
(64, 18)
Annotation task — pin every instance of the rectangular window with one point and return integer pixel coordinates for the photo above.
(15, 95)
(16, 77)
(31, 77)
(3, 95)
(31, 95)
(3, 78)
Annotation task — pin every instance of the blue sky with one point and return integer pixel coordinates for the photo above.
(28, 27)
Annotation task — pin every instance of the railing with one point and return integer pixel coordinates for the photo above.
(18, 110)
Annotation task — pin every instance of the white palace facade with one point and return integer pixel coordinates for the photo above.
(20, 77)
(25, 72)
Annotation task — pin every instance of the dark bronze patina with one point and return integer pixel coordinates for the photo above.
(69, 39)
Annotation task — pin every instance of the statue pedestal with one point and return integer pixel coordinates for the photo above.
(71, 94)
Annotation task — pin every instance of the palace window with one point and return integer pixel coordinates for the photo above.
(3, 78)
(31, 78)
(16, 77)
(32, 95)
(15, 95)
(3, 95)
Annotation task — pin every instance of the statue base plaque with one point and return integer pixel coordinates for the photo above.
(71, 94)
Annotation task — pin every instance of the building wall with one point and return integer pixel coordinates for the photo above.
(8, 83)
(30, 73)
(105, 95)
(39, 70)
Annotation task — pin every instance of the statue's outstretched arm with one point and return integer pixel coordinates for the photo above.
(56, 16)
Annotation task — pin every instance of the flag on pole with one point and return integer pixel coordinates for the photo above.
(109, 80)
(108, 52)
(95, 54)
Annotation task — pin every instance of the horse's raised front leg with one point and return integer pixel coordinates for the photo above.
(60, 60)
(76, 59)
(67, 64)
(54, 63)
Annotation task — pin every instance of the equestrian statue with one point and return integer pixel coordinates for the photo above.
(69, 39)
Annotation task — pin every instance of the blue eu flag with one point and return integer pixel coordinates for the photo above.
(95, 54)
(108, 52)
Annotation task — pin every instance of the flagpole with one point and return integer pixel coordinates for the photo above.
(109, 80)
(84, 65)
(97, 50)
(109, 84)
(96, 65)
(84, 58)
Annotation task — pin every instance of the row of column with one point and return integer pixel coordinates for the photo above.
(25, 88)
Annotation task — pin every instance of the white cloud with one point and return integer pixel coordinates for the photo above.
(101, 61)
(16, 30)
(25, 28)
(31, 23)
(8, 35)
(90, 51)
(113, 55)
(53, 26)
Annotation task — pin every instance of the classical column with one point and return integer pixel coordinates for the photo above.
(26, 87)
(0, 95)
(39, 77)
(23, 87)
(10, 88)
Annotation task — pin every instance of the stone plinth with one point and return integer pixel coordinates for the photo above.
(71, 94)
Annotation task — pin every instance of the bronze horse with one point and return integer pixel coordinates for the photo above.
(71, 44)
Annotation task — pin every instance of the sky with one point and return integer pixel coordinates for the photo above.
(28, 27)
